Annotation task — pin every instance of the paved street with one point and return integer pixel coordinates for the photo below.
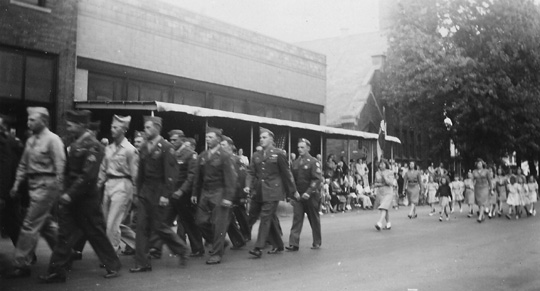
(422, 254)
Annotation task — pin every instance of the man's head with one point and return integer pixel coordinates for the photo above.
(266, 138)
(138, 140)
(176, 137)
(227, 144)
(77, 121)
(38, 118)
(119, 126)
(190, 143)
(213, 137)
(152, 126)
(304, 146)
(240, 152)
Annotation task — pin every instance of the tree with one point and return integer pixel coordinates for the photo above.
(478, 62)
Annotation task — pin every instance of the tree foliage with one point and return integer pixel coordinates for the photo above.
(476, 60)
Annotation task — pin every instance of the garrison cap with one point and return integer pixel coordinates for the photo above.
(217, 131)
(122, 120)
(263, 130)
(304, 140)
(155, 120)
(178, 132)
(35, 110)
(228, 140)
(78, 116)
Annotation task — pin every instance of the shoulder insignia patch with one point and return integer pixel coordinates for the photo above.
(91, 158)
(194, 156)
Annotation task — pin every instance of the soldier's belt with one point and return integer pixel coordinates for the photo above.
(118, 177)
(37, 175)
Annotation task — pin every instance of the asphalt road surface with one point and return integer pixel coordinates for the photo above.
(418, 254)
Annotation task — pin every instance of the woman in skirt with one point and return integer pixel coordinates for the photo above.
(514, 200)
(431, 189)
(469, 193)
(413, 186)
(482, 188)
(384, 187)
(492, 195)
(445, 195)
(532, 195)
(501, 187)
(457, 187)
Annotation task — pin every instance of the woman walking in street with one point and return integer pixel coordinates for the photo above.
(431, 189)
(384, 182)
(457, 187)
(469, 193)
(482, 188)
(501, 187)
(533, 194)
(413, 186)
(445, 195)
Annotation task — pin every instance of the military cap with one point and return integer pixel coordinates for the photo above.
(78, 116)
(305, 141)
(217, 131)
(140, 134)
(155, 120)
(122, 120)
(178, 132)
(263, 130)
(228, 140)
(36, 110)
(94, 125)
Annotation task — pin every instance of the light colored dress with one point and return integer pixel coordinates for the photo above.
(513, 195)
(384, 181)
(493, 192)
(413, 178)
(533, 192)
(481, 187)
(469, 191)
(524, 194)
(458, 187)
(432, 191)
(502, 181)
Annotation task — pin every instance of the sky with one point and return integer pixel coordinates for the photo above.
(291, 20)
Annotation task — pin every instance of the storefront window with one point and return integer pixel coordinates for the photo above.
(39, 79)
(104, 88)
(11, 75)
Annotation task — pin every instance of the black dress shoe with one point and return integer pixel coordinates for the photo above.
(154, 254)
(128, 252)
(315, 247)
(256, 252)
(76, 256)
(111, 274)
(275, 251)
(52, 278)
(141, 269)
(292, 248)
(18, 273)
(197, 254)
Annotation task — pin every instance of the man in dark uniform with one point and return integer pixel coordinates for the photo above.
(238, 218)
(181, 206)
(157, 177)
(214, 186)
(80, 205)
(308, 176)
(271, 176)
(11, 213)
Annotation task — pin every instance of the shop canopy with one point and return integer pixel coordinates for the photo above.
(207, 112)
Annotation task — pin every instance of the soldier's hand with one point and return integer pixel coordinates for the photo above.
(177, 194)
(13, 192)
(226, 203)
(163, 201)
(65, 199)
(305, 196)
(297, 196)
(246, 190)
(193, 199)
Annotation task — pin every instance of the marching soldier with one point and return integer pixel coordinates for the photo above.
(308, 176)
(271, 176)
(117, 176)
(215, 184)
(42, 165)
(157, 176)
(80, 205)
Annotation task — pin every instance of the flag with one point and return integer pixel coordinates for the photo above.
(381, 140)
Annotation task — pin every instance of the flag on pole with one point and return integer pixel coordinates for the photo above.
(381, 140)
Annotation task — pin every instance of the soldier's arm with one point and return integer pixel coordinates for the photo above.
(316, 180)
(286, 174)
(230, 176)
(88, 177)
(102, 176)
(196, 179)
(140, 173)
(250, 174)
(191, 168)
(21, 169)
(133, 161)
(171, 171)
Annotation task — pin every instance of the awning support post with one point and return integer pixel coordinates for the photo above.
(204, 133)
(252, 141)
(289, 144)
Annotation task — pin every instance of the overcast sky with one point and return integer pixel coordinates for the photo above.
(291, 20)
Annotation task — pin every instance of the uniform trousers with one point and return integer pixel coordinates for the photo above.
(43, 191)
(82, 217)
(213, 219)
(269, 228)
(241, 216)
(11, 218)
(152, 217)
(234, 232)
(310, 207)
(117, 198)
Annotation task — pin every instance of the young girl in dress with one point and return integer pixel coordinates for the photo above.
(513, 199)
(469, 193)
(445, 195)
(502, 182)
(492, 195)
(458, 187)
(523, 193)
(532, 195)
(431, 190)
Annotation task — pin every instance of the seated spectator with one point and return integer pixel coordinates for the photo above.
(363, 196)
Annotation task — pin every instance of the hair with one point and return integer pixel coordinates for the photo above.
(513, 179)
(192, 141)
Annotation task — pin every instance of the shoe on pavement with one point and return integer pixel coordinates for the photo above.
(315, 247)
(111, 274)
(214, 260)
(292, 248)
(275, 251)
(141, 269)
(378, 226)
(197, 254)
(256, 252)
(388, 226)
(52, 278)
(440, 218)
(238, 247)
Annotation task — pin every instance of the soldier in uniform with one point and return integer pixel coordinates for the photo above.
(237, 218)
(138, 139)
(80, 204)
(271, 176)
(308, 176)
(157, 177)
(215, 184)
(42, 165)
(117, 177)
(181, 206)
